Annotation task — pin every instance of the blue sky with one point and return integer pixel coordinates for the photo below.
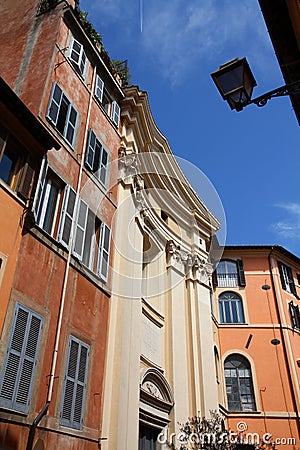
(252, 158)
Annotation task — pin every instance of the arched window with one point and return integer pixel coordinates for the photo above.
(231, 308)
(239, 386)
(230, 273)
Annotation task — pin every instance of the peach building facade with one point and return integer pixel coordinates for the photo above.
(56, 249)
(257, 331)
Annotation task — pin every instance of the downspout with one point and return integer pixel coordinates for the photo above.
(286, 358)
(34, 424)
(44, 410)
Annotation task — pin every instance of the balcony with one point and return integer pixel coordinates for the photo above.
(227, 279)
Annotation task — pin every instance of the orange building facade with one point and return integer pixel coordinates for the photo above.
(56, 249)
(257, 353)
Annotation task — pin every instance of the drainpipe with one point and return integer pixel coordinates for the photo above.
(34, 424)
(285, 352)
(44, 410)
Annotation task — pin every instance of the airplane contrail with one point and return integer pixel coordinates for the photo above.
(141, 15)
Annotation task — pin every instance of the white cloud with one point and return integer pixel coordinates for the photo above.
(290, 227)
(180, 35)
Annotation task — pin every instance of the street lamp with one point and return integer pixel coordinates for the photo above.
(235, 83)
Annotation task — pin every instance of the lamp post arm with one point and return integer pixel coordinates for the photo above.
(288, 89)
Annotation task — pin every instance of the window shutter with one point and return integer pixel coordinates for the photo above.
(292, 314)
(26, 180)
(71, 122)
(54, 104)
(103, 256)
(82, 61)
(21, 358)
(280, 266)
(115, 114)
(67, 215)
(77, 55)
(214, 278)
(80, 228)
(99, 88)
(241, 273)
(90, 151)
(40, 186)
(297, 314)
(291, 281)
(75, 384)
(103, 166)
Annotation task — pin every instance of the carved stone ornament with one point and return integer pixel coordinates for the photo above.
(182, 256)
(152, 389)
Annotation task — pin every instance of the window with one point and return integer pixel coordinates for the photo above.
(110, 106)
(54, 208)
(287, 280)
(77, 56)
(75, 381)
(231, 308)
(16, 380)
(239, 386)
(230, 273)
(17, 169)
(62, 114)
(147, 438)
(294, 315)
(96, 158)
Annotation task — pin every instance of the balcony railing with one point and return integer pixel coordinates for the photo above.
(227, 279)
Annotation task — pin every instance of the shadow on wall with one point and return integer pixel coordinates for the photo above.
(8, 439)
(39, 445)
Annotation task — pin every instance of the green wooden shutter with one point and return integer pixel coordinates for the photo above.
(17, 376)
(75, 384)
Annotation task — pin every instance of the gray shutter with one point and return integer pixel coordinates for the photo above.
(115, 114)
(80, 228)
(241, 274)
(54, 104)
(75, 384)
(70, 126)
(90, 151)
(40, 186)
(103, 166)
(291, 281)
(67, 215)
(16, 380)
(26, 179)
(103, 256)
